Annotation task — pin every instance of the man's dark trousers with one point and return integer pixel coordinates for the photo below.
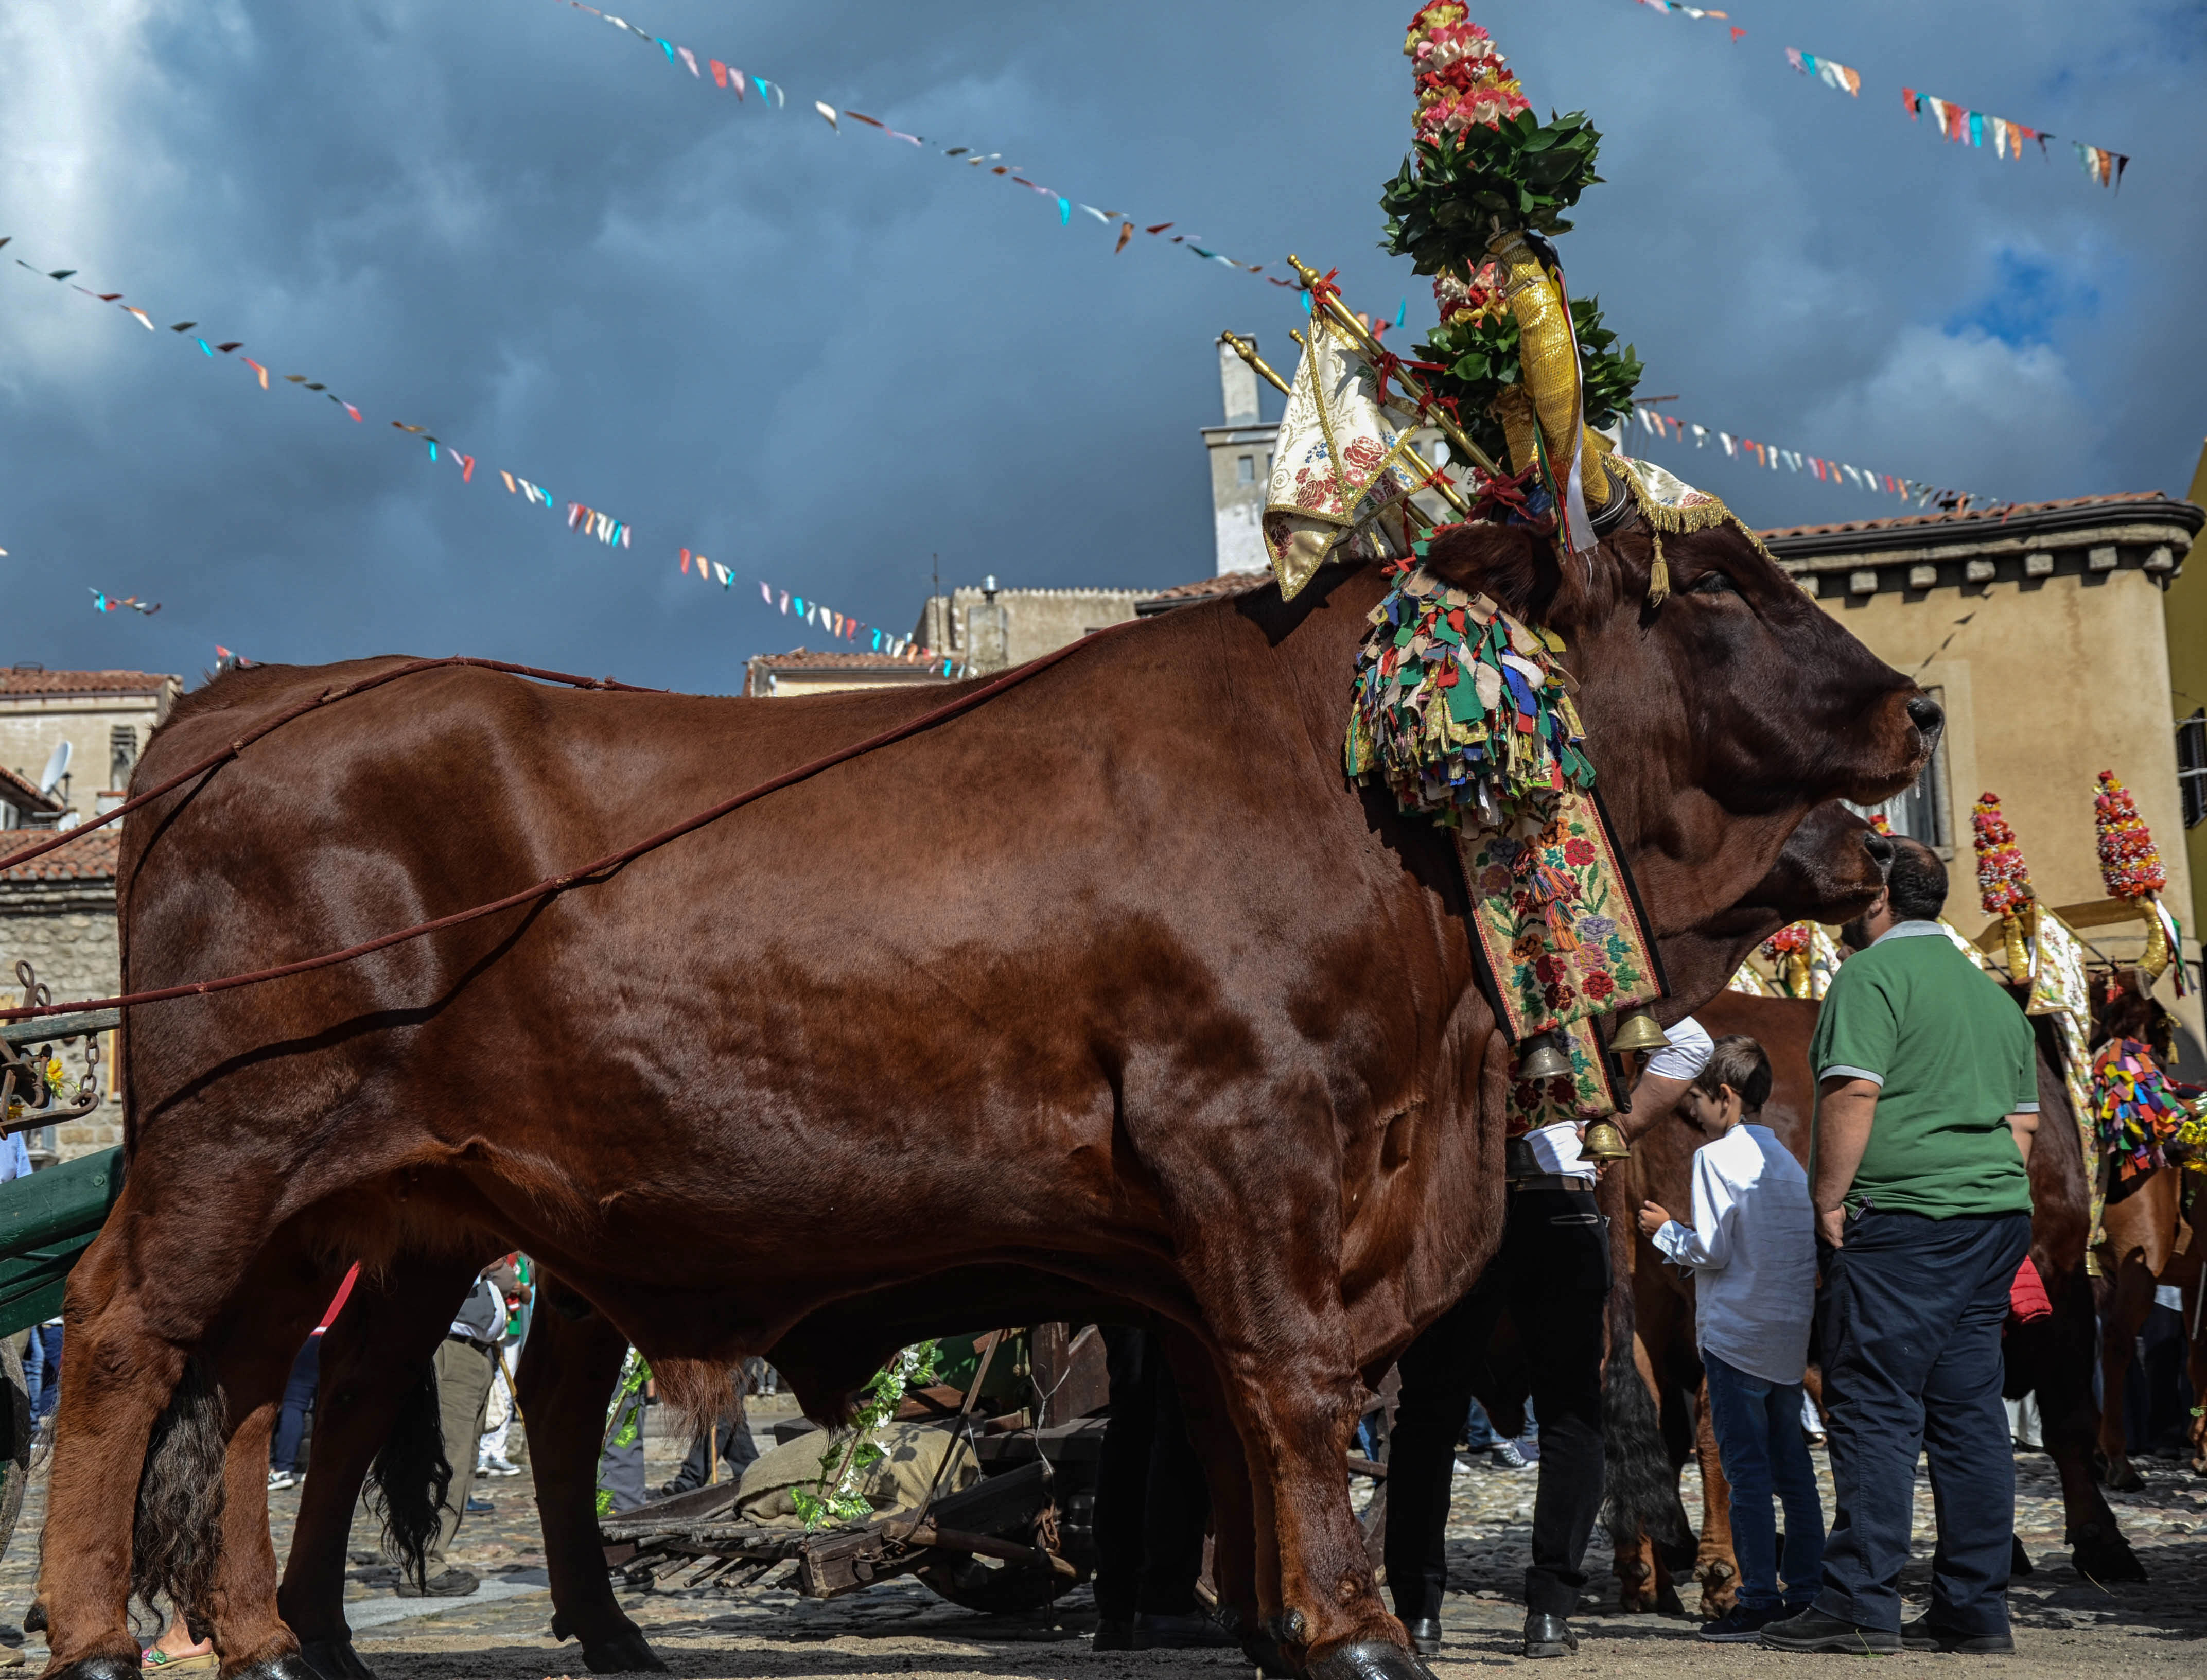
(1152, 1504)
(1553, 1273)
(1909, 1313)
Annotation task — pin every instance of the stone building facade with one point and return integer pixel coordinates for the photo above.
(57, 913)
(803, 670)
(990, 628)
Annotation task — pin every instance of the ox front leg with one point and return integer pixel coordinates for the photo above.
(376, 1405)
(1233, 1508)
(1284, 1362)
(2130, 1298)
(568, 1366)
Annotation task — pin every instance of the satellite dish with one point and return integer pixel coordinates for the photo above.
(56, 768)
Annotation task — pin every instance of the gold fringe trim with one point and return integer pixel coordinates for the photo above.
(1661, 518)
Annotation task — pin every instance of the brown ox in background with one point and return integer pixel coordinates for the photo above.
(2051, 1356)
(1113, 980)
(2144, 1226)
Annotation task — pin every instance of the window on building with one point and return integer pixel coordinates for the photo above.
(121, 755)
(1246, 473)
(2191, 767)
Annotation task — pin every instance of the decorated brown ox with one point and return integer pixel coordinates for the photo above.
(376, 1411)
(1113, 979)
(2152, 1233)
(2050, 1356)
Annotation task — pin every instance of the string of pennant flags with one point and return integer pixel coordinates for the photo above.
(1654, 423)
(842, 626)
(579, 517)
(1962, 125)
(772, 96)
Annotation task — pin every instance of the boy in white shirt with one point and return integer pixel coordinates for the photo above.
(1752, 1250)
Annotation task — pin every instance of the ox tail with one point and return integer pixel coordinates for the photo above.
(411, 1479)
(1640, 1484)
(176, 1534)
(698, 1393)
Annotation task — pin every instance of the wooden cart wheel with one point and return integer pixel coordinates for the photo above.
(14, 1439)
(995, 1588)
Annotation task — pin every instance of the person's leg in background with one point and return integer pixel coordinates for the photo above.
(49, 1339)
(1972, 1467)
(299, 1387)
(463, 1374)
(1436, 1395)
(1555, 1257)
(1133, 1362)
(1176, 1512)
(1740, 1411)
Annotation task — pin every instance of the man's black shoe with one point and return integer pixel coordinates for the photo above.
(1190, 1631)
(449, 1584)
(1424, 1636)
(1113, 1634)
(1547, 1635)
(1813, 1630)
(1921, 1635)
(1739, 1626)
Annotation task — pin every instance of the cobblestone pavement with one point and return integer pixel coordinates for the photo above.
(2064, 1625)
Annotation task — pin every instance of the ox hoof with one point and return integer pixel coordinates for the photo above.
(1368, 1659)
(626, 1652)
(284, 1665)
(99, 1668)
(335, 1660)
(2100, 1555)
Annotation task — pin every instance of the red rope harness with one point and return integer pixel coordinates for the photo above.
(543, 889)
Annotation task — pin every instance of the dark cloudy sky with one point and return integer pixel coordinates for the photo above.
(822, 358)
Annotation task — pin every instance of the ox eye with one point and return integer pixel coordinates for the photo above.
(1712, 584)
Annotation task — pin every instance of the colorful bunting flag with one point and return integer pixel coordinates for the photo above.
(1825, 71)
(1654, 423)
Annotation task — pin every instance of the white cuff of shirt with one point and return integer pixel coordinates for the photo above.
(2024, 1108)
(1841, 1071)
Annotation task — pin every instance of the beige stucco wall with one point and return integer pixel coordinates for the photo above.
(2045, 687)
(32, 724)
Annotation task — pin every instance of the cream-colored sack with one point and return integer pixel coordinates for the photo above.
(896, 1482)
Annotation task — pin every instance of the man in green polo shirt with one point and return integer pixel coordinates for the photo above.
(1927, 1102)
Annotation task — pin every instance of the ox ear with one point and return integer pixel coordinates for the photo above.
(1517, 566)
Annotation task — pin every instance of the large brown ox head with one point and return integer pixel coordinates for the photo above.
(1717, 720)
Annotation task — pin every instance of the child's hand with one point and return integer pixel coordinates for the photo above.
(1652, 1218)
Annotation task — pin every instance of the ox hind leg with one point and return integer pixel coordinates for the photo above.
(2121, 1317)
(141, 1432)
(1715, 1565)
(2052, 1357)
(376, 1407)
(1233, 1506)
(568, 1366)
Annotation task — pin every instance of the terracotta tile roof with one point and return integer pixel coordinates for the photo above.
(1994, 514)
(1203, 589)
(22, 792)
(828, 659)
(89, 858)
(83, 682)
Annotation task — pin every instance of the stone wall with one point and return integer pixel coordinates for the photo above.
(66, 930)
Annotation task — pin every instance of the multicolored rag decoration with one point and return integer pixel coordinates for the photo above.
(1557, 923)
(1590, 1092)
(1460, 709)
(2136, 1110)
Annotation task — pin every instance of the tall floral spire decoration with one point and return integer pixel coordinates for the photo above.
(2004, 884)
(2131, 867)
(1527, 370)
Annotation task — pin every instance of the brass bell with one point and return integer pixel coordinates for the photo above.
(1604, 1142)
(1638, 1031)
(1544, 1059)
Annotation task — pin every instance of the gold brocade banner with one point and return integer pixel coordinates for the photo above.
(1557, 927)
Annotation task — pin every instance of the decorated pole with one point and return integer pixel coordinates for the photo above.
(2131, 867)
(2004, 885)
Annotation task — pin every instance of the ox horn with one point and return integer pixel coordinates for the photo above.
(1553, 383)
